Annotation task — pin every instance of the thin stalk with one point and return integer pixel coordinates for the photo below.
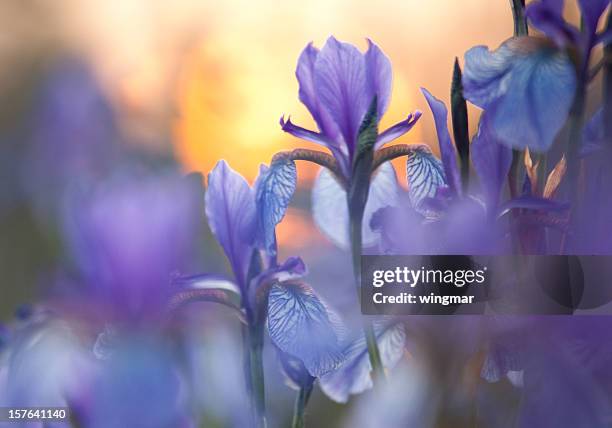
(368, 328)
(576, 124)
(255, 374)
(301, 400)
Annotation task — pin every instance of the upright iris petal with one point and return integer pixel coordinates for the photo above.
(526, 87)
(230, 208)
(337, 85)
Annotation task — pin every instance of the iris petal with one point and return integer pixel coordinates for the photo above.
(397, 130)
(330, 209)
(527, 88)
(230, 208)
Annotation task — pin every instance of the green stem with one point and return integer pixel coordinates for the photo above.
(255, 375)
(368, 329)
(300, 406)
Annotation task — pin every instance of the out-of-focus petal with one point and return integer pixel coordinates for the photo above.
(353, 376)
(592, 10)
(447, 148)
(492, 162)
(397, 130)
(273, 192)
(301, 325)
(425, 174)
(128, 235)
(593, 136)
(526, 87)
(330, 208)
(532, 203)
(341, 86)
(547, 16)
(379, 76)
(230, 208)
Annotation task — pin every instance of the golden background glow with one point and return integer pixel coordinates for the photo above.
(239, 79)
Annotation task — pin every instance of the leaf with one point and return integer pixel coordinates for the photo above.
(460, 122)
(330, 206)
(353, 376)
(554, 179)
(274, 190)
(425, 174)
(302, 326)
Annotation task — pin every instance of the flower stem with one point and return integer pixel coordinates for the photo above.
(368, 329)
(255, 374)
(300, 406)
(576, 123)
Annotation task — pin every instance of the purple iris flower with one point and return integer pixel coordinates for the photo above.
(337, 85)
(128, 235)
(243, 219)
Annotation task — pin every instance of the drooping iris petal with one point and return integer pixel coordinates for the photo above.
(302, 326)
(340, 84)
(425, 175)
(547, 16)
(273, 192)
(205, 288)
(526, 87)
(397, 130)
(230, 208)
(330, 209)
(447, 149)
(492, 162)
(379, 76)
(353, 376)
(291, 269)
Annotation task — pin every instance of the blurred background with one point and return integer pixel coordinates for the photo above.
(184, 83)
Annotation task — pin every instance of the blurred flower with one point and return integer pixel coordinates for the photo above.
(128, 235)
(138, 385)
(74, 136)
(563, 361)
(337, 85)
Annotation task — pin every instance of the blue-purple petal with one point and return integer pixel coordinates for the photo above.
(592, 10)
(353, 376)
(330, 209)
(491, 162)
(397, 130)
(593, 136)
(273, 192)
(230, 209)
(425, 174)
(447, 148)
(379, 76)
(547, 16)
(340, 83)
(527, 88)
(301, 325)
